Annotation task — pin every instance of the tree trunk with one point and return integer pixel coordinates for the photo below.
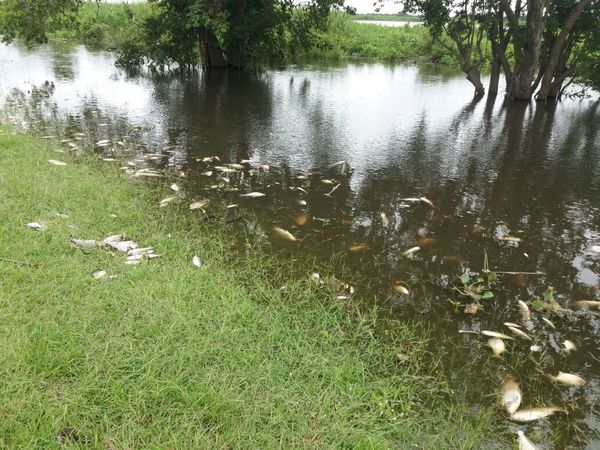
(236, 58)
(474, 76)
(494, 76)
(557, 49)
(213, 55)
(524, 75)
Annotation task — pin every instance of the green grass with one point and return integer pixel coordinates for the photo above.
(388, 17)
(236, 354)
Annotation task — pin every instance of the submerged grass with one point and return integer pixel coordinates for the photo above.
(235, 354)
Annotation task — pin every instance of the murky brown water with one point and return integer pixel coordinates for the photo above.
(494, 171)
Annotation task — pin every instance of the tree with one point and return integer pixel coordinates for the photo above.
(32, 20)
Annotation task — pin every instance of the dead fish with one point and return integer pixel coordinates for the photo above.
(426, 201)
(326, 181)
(315, 277)
(520, 333)
(549, 323)
(357, 248)
(233, 205)
(411, 199)
(569, 346)
(113, 239)
(510, 324)
(283, 234)
(301, 220)
(497, 345)
(427, 242)
(400, 289)
(135, 257)
(207, 174)
(99, 274)
(304, 191)
(302, 202)
(132, 262)
(496, 334)
(56, 162)
(199, 205)
(595, 249)
(253, 195)
(384, 219)
(511, 239)
(333, 190)
(264, 167)
(530, 415)
(236, 166)
(196, 261)
(103, 143)
(536, 348)
(225, 169)
(568, 379)
(587, 304)
(109, 159)
(165, 201)
(139, 251)
(524, 310)
(411, 251)
(511, 395)
(524, 443)
(174, 187)
(84, 243)
(35, 226)
(123, 246)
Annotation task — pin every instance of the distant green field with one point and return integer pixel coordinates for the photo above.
(388, 17)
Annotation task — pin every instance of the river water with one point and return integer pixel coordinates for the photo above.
(516, 185)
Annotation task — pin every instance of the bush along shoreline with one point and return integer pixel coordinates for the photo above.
(200, 342)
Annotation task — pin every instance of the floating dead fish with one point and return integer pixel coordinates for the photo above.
(199, 204)
(233, 205)
(315, 277)
(165, 201)
(207, 174)
(549, 323)
(530, 415)
(196, 261)
(109, 159)
(510, 324)
(103, 143)
(569, 346)
(524, 443)
(301, 220)
(384, 219)
(253, 195)
(304, 191)
(72, 145)
(333, 190)
(411, 251)
(511, 395)
(174, 187)
(210, 159)
(496, 334)
(520, 333)
(411, 199)
(536, 348)
(400, 289)
(113, 239)
(426, 201)
(264, 168)
(511, 239)
(524, 310)
(497, 345)
(56, 162)
(357, 248)
(236, 166)
(83, 243)
(590, 304)
(568, 379)
(99, 274)
(283, 234)
(326, 181)
(302, 202)
(123, 246)
(595, 249)
(35, 226)
(224, 169)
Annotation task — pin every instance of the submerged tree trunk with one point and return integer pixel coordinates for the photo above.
(474, 76)
(213, 55)
(521, 83)
(558, 49)
(494, 76)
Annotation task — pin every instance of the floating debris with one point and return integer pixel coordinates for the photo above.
(333, 190)
(84, 243)
(568, 379)
(99, 274)
(524, 443)
(411, 251)
(35, 226)
(511, 395)
(569, 346)
(530, 415)
(56, 162)
(253, 195)
(497, 345)
(284, 234)
(199, 204)
(165, 201)
(471, 308)
(497, 335)
(196, 261)
(520, 333)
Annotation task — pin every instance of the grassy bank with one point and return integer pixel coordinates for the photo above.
(234, 354)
